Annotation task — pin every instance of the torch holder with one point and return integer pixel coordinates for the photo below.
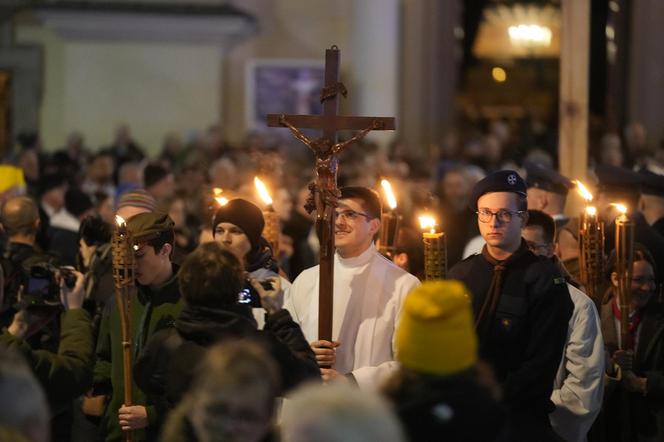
(624, 262)
(390, 223)
(591, 255)
(435, 256)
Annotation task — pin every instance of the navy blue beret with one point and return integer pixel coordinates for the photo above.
(618, 180)
(501, 181)
(545, 178)
(653, 184)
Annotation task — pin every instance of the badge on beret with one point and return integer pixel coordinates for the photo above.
(511, 179)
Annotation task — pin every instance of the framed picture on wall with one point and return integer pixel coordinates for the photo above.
(288, 86)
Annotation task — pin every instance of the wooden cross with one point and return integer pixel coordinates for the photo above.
(324, 192)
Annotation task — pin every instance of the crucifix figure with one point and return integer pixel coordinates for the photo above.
(324, 191)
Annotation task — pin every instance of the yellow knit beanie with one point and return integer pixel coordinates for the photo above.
(11, 176)
(436, 334)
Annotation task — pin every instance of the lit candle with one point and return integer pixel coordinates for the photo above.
(435, 250)
(591, 247)
(624, 261)
(218, 196)
(272, 228)
(390, 222)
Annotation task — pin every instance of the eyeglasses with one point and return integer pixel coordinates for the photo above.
(502, 215)
(351, 215)
(642, 281)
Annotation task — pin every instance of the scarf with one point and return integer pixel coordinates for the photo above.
(490, 304)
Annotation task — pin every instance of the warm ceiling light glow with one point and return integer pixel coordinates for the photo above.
(221, 200)
(530, 35)
(119, 220)
(428, 222)
(262, 191)
(583, 191)
(387, 188)
(499, 75)
(621, 207)
(592, 211)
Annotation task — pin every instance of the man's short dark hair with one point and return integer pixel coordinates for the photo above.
(164, 237)
(537, 218)
(211, 277)
(94, 231)
(19, 216)
(369, 197)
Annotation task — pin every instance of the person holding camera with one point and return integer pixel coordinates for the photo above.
(20, 221)
(237, 227)
(211, 280)
(66, 371)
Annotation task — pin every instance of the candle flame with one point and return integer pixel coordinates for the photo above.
(428, 222)
(592, 211)
(221, 200)
(262, 191)
(621, 207)
(387, 188)
(583, 191)
(119, 220)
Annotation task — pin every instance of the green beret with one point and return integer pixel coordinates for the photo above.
(148, 226)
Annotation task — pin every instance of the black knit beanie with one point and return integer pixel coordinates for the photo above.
(245, 215)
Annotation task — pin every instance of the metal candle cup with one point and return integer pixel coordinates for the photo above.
(272, 229)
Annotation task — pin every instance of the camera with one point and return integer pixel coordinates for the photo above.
(249, 296)
(42, 288)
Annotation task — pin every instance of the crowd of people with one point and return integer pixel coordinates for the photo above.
(223, 323)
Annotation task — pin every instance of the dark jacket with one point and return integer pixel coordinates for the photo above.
(151, 311)
(453, 408)
(166, 368)
(628, 416)
(526, 335)
(15, 276)
(66, 373)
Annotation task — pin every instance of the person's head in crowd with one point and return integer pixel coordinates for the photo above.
(153, 237)
(357, 220)
(130, 175)
(12, 182)
(211, 277)
(29, 140)
(223, 173)
(493, 150)
(547, 189)
(636, 138)
(23, 408)
(652, 196)
(610, 151)
(52, 189)
(104, 206)
(20, 219)
(537, 155)
(122, 135)
(500, 202)
(101, 167)
(134, 202)
(92, 233)
(409, 253)
(177, 210)
(158, 181)
(78, 203)
(338, 413)
(28, 161)
(237, 227)
(233, 395)
(644, 276)
(75, 144)
(616, 185)
(539, 233)
(456, 186)
(172, 146)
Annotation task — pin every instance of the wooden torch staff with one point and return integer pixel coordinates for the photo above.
(123, 275)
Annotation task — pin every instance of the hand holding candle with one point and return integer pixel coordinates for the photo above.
(435, 249)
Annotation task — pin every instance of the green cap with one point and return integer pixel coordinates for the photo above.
(148, 226)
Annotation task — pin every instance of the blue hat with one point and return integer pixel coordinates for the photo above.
(618, 180)
(501, 181)
(545, 178)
